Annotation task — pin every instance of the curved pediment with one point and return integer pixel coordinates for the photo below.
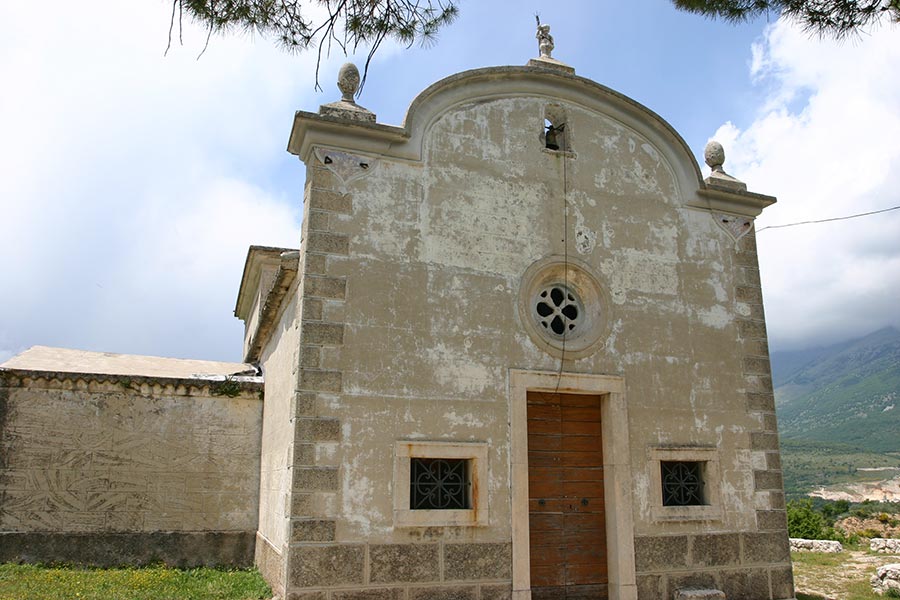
(544, 87)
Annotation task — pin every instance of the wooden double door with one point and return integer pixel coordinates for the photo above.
(567, 520)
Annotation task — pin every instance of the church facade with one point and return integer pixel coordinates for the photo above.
(520, 353)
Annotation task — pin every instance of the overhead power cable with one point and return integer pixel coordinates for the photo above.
(865, 214)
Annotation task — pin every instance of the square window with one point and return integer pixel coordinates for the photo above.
(682, 483)
(440, 484)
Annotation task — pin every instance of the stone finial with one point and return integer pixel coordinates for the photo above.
(714, 154)
(346, 108)
(348, 82)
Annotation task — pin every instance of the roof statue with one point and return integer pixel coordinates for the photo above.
(545, 59)
(545, 40)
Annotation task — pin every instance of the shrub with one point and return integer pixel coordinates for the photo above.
(804, 521)
(832, 510)
(870, 533)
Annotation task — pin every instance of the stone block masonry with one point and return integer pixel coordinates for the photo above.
(745, 566)
(420, 570)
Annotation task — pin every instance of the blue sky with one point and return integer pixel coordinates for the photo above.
(133, 182)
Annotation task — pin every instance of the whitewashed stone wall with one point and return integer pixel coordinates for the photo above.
(106, 469)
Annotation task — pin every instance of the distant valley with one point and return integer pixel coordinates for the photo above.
(839, 417)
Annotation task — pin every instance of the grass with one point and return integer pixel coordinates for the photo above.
(809, 560)
(32, 582)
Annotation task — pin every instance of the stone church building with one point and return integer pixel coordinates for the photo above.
(520, 353)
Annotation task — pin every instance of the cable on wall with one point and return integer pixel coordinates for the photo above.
(565, 240)
(865, 214)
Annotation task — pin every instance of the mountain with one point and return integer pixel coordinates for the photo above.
(848, 393)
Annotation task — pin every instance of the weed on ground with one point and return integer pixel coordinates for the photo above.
(33, 582)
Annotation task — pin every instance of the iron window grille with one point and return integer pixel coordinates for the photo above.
(682, 483)
(439, 484)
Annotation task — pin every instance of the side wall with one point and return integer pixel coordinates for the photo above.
(113, 470)
(279, 360)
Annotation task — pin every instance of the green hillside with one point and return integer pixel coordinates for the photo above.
(845, 394)
(809, 465)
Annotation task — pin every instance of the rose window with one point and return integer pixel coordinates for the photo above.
(558, 310)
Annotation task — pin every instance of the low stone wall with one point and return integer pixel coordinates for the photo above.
(100, 469)
(802, 545)
(886, 580)
(183, 549)
(884, 545)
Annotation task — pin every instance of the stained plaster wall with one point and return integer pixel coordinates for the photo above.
(279, 361)
(115, 469)
(430, 255)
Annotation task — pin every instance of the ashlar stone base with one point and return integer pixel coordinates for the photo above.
(433, 571)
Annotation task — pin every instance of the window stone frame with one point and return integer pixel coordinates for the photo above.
(477, 455)
(709, 458)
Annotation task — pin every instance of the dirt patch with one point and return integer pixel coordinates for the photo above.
(837, 576)
(887, 490)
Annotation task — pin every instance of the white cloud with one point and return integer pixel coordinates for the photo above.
(133, 183)
(825, 143)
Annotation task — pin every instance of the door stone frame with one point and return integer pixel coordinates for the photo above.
(616, 473)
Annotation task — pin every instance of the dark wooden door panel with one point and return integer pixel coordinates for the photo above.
(579, 489)
(579, 443)
(581, 413)
(587, 592)
(583, 555)
(585, 574)
(548, 575)
(547, 593)
(566, 508)
(549, 443)
(540, 426)
(546, 522)
(544, 459)
(584, 473)
(579, 427)
(577, 522)
(545, 412)
(551, 505)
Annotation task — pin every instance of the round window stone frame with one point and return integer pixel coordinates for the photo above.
(578, 277)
